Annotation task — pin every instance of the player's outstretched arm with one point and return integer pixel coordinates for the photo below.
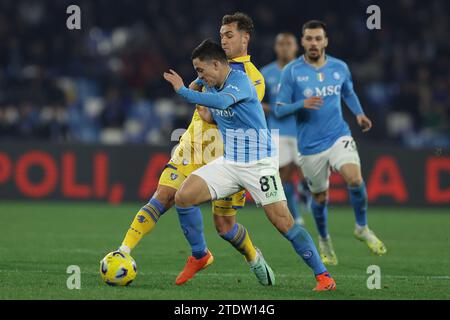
(212, 100)
(282, 110)
(352, 102)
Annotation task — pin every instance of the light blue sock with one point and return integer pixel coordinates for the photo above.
(158, 205)
(289, 190)
(358, 198)
(305, 248)
(191, 221)
(231, 234)
(320, 213)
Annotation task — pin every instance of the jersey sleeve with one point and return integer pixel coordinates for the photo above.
(349, 95)
(235, 91)
(257, 79)
(211, 100)
(239, 89)
(266, 89)
(284, 103)
(285, 87)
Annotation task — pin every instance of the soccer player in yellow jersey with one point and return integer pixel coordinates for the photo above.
(235, 35)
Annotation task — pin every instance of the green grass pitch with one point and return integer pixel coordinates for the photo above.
(38, 241)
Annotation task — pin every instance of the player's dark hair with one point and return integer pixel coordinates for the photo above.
(314, 24)
(244, 22)
(286, 34)
(209, 50)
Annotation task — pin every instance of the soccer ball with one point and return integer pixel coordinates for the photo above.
(118, 269)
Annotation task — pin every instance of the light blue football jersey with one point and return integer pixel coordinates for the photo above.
(318, 130)
(239, 116)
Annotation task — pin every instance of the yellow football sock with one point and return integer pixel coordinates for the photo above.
(142, 224)
(239, 238)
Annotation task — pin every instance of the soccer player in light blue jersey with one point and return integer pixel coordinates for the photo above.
(311, 87)
(249, 161)
(286, 49)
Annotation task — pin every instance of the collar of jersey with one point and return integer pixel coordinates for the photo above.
(241, 59)
(221, 87)
(311, 66)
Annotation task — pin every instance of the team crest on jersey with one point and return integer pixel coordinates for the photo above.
(308, 92)
(173, 176)
(185, 162)
(336, 76)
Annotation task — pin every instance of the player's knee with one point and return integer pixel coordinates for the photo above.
(284, 173)
(223, 224)
(354, 181)
(166, 196)
(182, 199)
(320, 198)
(222, 228)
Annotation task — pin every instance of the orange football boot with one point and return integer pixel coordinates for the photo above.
(325, 282)
(193, 266)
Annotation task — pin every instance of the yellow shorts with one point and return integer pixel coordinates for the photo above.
(174, 178)
(229, 206)
(171, 176)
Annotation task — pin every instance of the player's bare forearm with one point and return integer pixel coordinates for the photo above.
(205, 114)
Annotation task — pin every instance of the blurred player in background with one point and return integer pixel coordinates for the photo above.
(235, 34)
(253, 164)
(311, 87)
(286, 49)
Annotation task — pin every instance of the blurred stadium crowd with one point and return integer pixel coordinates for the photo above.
(104, 83)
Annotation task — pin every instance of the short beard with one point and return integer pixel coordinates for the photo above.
(316, 58)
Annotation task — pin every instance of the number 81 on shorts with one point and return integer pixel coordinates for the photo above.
(272, 188)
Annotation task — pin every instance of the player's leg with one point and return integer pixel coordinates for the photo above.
(286, 173)
(317, 172)
(345, 160)
(278, 213)
(287, 157)
(236, 234)
(264, 183)
(225, 211)
(194, 191)
(305, 196)
(161, 201)
(207, 183)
